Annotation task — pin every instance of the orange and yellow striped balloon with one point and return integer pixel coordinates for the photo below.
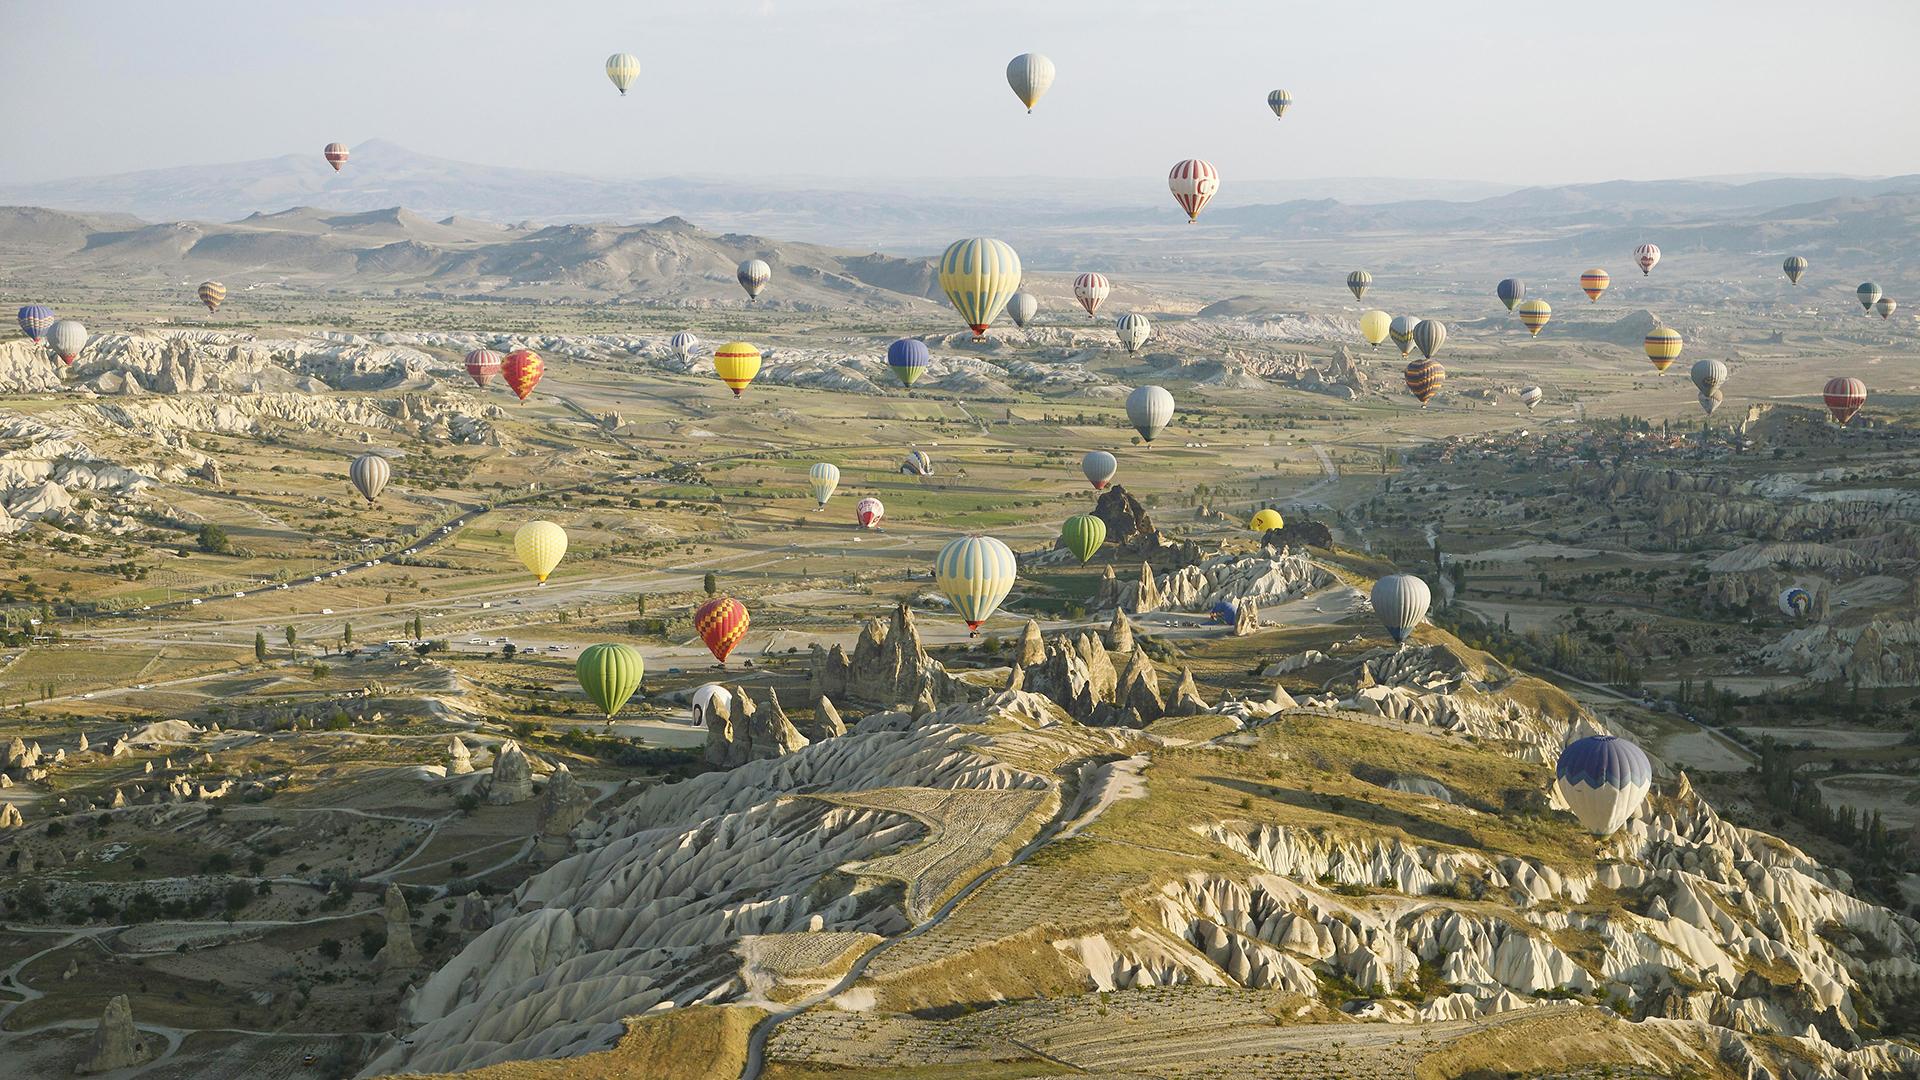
(737, 362)
(213, 294)
(1534, 315)
(1594, 282)
(1663, 347)
(1424, 378)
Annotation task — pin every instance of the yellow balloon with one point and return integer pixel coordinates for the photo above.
(737, 362)
(540, 545)
(1266, 519)
(1374, 325)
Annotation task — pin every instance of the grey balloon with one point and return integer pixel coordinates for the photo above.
(1134, 330)
(1099, 467)
(1150, 409)
(1022, 308)
(1709, 376)
(1401, 601)
(1710, 402)
(1530, 396)
(753, 276)
(370, 474)
(67, 337)
(1430, 334)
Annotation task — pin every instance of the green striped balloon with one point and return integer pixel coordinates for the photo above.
(975, 573)
(610, 673)
(1084, 534)
(979, 276)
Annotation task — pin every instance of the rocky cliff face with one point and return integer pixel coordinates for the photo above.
(888, 667)
(1883, 652)
(1267, 577)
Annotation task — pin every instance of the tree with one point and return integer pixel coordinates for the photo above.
(346, 635)
(508, 650)
(640, 604)
(213, 539)
(330, 948)
(260, 646)
(293, 637)
(712, 583)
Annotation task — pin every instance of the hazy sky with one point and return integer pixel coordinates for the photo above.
(1508, 91)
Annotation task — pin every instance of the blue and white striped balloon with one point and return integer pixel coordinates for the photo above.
(35, 321)
(1603, 779)
(683, 344)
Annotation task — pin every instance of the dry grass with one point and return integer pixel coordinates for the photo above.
(703, 1042)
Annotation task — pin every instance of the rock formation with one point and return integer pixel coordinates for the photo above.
(1186, 697)
(1139, 689)
(1246, 618)
(512, 779)
(398, 954)
(826, 722)
(562, 806)
(888, 667)
(1128, 526)
(743, 732)
(1120, 631)
(459, 758)
(116, 1042)
(1298, 532)
(10, 816)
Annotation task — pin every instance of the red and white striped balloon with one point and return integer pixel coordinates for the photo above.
(1193, 182)
(1090, 289)
(1844, 396)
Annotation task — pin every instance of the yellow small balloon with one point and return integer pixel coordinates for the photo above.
(737, 362)
(1265, 520)
(541, 545)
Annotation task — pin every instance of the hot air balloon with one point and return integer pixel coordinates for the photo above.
(1266, 520)
(683, 344)
(1223, 612)
(1375, 325)
(541, 545)
(1358, 282)
(1511, 291)
(1844, 396)
(370, 473)
(623, 68)
(1278, 101)
(522, 370)
(753, 275)
(1603, 780)
(1663, 347)
(917, 463)
(483, 365)
(1400, 601)
(1796, 602)
(1401, 331)
(1647, 256)
(1099, 467)
(1091, 289)
(1030, 74)
(35, 319)
(336, 155)
(66, 338)
(1534, 315)
(737, 362)
(907, 359)
(821, 480)
(1134, 330)
(1794, 267)
(1711, 402)
(1193, 182)
(1594, 282)
(1869, 295)
(1022, 308)
(869, 512)
(1149, 409)
(975, 573)
(1885, 306)
(1424, 378)
(1429, 335)
(1708, 375)
(609, 673)
(1083, 534)
(710, 701)
(722, 622)
(979, 276)
(1530, 396)
(212, 294)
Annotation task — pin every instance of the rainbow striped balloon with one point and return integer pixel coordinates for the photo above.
(1534, 315)
(1594, 282)
(1663, 347)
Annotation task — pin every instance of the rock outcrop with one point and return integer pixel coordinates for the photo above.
(512, 779)
(826, 722)
(117, 1044)
(744, 732)
(563, 804)
(398, 954)
(888, 667)
(459, 758)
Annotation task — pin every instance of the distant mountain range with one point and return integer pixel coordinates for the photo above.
(907, 214)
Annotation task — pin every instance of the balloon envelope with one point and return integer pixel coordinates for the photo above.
(522, 370)
(1400, 601)
(975, 573)
(370, 473)
(869, 512)
(1663, 346)
(35, 321)
(1193, 183)
(1794, 267)
(683, 344)
(722, 622)
(1603, 780)
(1424, 378)
(1099, 467)
(1083, 534)
(1375, 325)
(66, 338)
(1869, 294)
(609, 673)
(1885, 307)
(979, 276)
(737, 363)
(1708, 375)
(1022, 308)
(1358, 282)
(1594, 282)
(336, 155)
(907, 359)
(1534, 315)
(753, 275)
(1511, 291)
(540, 545)
(1401, 331)
(1091, 290)
(622, 69)
(1646, 256)
(710, 701)
(1844, 395)
(1134, 330)
(1030, 74)
(483, 365)
(1278, 101)
(917, 463)
(1223, 612)
(1530, 396)
(212, 294)
(1265, 520)
(821, 480)
(1149, 409)
(1429, 335)
(1796, 602)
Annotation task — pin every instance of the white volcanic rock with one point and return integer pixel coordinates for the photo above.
(1242, 579)
(511, 779)
(117, 1044)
